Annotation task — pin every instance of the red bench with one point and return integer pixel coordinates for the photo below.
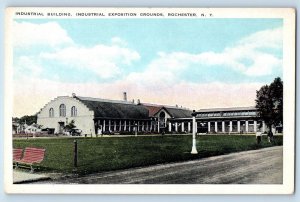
(17, 155)
(32, 156)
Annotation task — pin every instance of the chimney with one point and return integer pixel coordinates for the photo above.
(124, 96)
(132, 100)
(138, 101)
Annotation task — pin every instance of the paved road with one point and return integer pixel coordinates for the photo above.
(251, 167)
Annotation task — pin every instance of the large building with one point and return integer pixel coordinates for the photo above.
(101, 116)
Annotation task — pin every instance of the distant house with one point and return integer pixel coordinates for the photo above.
(102, 116)
(32, 129)
(18, 128)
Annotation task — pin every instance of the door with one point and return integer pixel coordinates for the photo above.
(61, 126)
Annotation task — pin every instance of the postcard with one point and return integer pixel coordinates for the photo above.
(149, 100)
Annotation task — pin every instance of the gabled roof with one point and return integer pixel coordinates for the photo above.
(177, 112)
(153, 109)
(114, 109)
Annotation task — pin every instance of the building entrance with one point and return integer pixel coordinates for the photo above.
(61, 126)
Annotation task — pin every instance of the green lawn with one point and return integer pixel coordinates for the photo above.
(112, 153)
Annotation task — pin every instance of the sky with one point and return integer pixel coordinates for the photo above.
(194, 63)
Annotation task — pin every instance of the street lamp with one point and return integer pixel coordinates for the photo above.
(194, 149)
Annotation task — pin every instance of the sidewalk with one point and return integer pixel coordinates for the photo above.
(22, 177)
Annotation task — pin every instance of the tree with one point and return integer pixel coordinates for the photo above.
(70, 126)
(26, 119)
(269, 103)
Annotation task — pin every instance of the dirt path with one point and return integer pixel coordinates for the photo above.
(262, 166)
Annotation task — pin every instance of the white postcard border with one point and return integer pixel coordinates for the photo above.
(287, 187)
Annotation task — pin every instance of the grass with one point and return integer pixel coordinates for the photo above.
(104, 154)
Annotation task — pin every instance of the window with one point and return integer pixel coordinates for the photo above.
(51, 112)
(253, 113)
(62, 110)
(73, 111)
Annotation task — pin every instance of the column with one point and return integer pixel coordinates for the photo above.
(223, 126)
(103, 129)
(138, 126)
(143, 126)
(158, 126)
(216, 126)
(120, 127)
(150, 125)
(147, 127)
(255, 126)
(182, 127)
(239, 126)
(230, 126)
(124, 125)
(208, 126)
(176, 127)
(115, 125)
(263, 126)
(170, 126)
(189, 126)
(246, 126)
(109, 125)
(129, 129)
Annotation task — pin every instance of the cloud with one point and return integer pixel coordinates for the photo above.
(271, 38)
(118, 41)
(263, 64)
(47, 34)
(27, 65)
(248, 56)
(104, 60)
(33, 95)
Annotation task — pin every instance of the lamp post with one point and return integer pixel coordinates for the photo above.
(194, 149)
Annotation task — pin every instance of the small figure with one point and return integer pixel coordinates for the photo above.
(258, 137)
(270, 136)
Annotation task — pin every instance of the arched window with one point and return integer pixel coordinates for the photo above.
(73, 111)
(51, 112)
(62, 110)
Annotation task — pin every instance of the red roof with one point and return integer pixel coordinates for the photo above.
(153, 109)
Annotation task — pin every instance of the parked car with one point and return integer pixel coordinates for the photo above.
(75, 132)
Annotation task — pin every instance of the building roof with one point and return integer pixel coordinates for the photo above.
(153, 109)
(228, 109)
(178, 112)
(115, 109)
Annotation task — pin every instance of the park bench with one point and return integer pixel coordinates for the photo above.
(32, 156)
(17, 155)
